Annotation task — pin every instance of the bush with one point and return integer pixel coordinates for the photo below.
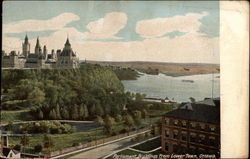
(17, 147)
(38, 148)
(123, 131)
(52, 127)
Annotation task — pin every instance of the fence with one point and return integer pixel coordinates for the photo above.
(93, 143)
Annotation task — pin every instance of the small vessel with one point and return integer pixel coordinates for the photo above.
(190, 81)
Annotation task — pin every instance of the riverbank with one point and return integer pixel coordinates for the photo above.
(169, 69)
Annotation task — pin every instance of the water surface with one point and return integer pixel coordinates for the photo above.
(161, 86)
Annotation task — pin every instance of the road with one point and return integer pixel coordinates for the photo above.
(103, 150)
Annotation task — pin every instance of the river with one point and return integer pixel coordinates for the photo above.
(161, 86)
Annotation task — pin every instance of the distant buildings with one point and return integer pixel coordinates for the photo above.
(41, 58)
(193, 128)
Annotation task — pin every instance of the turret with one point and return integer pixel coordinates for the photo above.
(45, 52)
(58, 52)
(26, 46)
(38, 49)
(53, 54)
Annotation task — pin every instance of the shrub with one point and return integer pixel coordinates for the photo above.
(17, 147)
(38, 148)
(52, 127)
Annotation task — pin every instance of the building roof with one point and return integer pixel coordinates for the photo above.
(6, 151)
(33, 56)
(199, 112)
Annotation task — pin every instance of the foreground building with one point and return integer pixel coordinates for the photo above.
(193, 128)
(41, 58)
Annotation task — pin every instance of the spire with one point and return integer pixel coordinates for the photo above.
(67, 41)
(37, 42)
(26, 40)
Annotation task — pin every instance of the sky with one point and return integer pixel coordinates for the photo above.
(163, 31)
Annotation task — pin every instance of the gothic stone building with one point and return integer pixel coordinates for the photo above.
(192, 128)
(40, 58)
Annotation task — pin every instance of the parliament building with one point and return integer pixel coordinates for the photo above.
(41, 58)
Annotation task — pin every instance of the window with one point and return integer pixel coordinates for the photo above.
(201, 150)
(176, 122)
(11, 155)
(175, 134)
(167, 133)
(183, 149)
(167, 121)
(184, 136)
(192, 137)
(193, 125)
(212, 128)
(212, 141)
(167, 146)
(202, 139)
(202, 126)
(184, 124)
(192, 150)
(175, 148)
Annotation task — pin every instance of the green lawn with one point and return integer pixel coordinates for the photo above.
(13, 116)
(61, 141)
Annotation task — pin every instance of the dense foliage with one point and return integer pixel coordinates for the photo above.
(52, 127)
(125, 73)
(65, 93)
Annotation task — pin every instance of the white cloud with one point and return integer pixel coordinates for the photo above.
(195, 47)
(107, 27)
(54, 23)
(159, 26)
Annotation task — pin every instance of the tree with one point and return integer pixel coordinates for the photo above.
(81, 112)
(52, 114)
(192, 99)
(9, 127)
(144, 113)
(40, 114)
(109, 123)
(137, 117)
(99, 110)
(99, 120)
(58, 113)
(92, 110)
(129, 122)
(17, 147)
(38, 148)
(24, 140)
(74, 113)
(48, 142)
(64, 113)
(86, 111)
(36, 96)
(118, 118)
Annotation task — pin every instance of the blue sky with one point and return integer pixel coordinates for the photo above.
(92, 11)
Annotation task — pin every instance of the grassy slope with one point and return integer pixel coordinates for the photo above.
(13, 116)
(62, 140)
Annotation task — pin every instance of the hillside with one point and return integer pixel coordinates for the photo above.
(63, 93)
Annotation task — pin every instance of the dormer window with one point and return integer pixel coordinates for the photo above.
(175, 122)
(193, 125)
(184, 123)
(212, 128)
(167, 121)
